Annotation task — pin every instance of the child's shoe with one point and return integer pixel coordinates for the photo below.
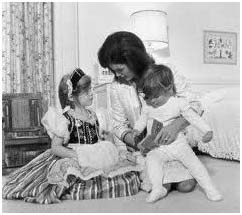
(156, 194)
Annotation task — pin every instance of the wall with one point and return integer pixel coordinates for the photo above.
(96, 21)
(65, 40)
(82, 27)
(187, 21)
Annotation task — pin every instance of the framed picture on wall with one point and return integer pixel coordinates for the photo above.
(220, 47)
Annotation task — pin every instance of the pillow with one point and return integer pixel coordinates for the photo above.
(224, 118)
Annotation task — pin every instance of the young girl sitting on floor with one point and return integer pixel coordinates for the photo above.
(79, 165)
(102, 155)
(163, 105)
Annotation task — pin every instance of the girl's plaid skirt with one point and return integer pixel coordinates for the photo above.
(30, 183)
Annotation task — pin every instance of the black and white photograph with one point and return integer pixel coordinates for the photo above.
(120, 107)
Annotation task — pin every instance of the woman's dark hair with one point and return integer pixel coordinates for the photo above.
(159, 81)
(80, 83)
(125, 48)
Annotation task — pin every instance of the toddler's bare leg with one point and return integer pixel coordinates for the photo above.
(185, 154)
(154, 163)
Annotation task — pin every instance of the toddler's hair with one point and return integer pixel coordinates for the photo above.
(81, 86)
(159, 81)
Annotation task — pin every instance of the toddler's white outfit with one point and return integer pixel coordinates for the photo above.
(177, 150)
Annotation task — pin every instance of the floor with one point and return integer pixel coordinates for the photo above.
(226, 175)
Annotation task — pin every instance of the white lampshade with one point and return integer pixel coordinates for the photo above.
(151, 27)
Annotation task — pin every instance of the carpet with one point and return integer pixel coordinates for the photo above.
(226, 175)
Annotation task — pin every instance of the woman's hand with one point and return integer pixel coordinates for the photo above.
(170, 132)
(106, 135)
(167, 135)
(129, 140)
(207, 137)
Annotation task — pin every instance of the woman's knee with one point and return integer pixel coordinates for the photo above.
(186, 186)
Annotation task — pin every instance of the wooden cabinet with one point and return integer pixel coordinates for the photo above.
(24, 136)
(18, 152)
(3, 148)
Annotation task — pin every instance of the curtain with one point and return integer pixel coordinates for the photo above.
(27, 49)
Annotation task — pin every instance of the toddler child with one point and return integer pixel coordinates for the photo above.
(163, 105)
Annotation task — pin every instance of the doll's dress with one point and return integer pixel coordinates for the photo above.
(49, 179)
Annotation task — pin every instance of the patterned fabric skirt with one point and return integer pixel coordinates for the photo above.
(31, 184)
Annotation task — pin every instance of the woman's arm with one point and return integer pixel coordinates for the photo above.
(120, 121)
(59, 150)
(141, 123)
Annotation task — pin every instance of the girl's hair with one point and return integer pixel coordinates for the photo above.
(159, 81)
(80, 84)
(125, 48)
